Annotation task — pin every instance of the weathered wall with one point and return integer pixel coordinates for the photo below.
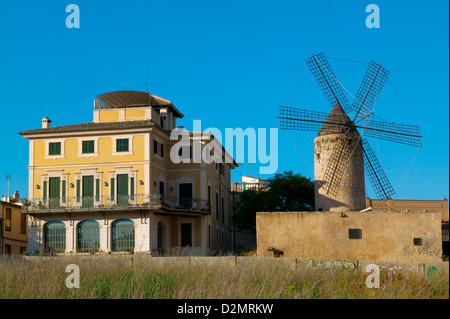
(325, 235)
(351, 191)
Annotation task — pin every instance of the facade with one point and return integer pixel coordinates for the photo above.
(13, 227)
(110, 185)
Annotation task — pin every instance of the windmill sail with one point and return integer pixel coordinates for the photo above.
(324, 75)
(377, 177)
(369, 90)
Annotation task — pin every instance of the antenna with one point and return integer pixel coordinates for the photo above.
(147, 79)
(8, 178)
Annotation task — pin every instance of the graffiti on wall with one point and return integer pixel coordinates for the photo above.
(431, 270)
(389, 267)
(327, 264)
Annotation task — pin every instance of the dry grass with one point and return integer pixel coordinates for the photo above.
(118, 279)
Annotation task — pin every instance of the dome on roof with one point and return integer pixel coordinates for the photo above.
(123, 99)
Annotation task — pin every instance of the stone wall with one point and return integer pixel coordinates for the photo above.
(399, 236)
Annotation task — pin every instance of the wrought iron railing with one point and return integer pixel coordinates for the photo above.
(239, 187)
(150, 201)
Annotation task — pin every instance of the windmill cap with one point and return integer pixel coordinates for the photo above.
(337, 121)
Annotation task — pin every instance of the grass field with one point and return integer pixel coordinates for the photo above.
(119, 279)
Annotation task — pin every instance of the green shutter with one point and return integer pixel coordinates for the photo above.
(88, 190)
(63, 191)
(78, 190)
(122, 145)
(44, 192)
(97, 190)
(112, 188)
(54, 191)
(87, 147)
(54, 148)
(122, 188)
(132, 188)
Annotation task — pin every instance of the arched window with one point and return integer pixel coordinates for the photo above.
(123, 235)
(88, 236)
(55, 237)
(161, 236)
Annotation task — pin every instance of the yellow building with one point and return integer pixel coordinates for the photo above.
(13, 227)
(110, 185)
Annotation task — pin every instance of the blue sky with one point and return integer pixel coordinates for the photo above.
(229, 64)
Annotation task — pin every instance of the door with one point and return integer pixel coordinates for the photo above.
(161, 191)
(122, 189)
(186, 235)
(88, 191)
(185, 192)
(53, 191)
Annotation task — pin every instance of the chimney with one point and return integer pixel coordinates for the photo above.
(16, 195)
(45, 122)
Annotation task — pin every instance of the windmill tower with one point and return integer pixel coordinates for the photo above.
(342, 156)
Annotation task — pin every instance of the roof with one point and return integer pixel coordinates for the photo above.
(122, 99)
(336, 122)
(91, 126)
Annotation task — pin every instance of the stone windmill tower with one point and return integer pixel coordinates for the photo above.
(342, 156)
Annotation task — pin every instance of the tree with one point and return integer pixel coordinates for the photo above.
(287, 192)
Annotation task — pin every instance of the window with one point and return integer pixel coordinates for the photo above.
(185, 193)
(158, 149)
(217, 205)
(209, 199)
(7, 249)
(54, 148)
(355, 233)
(8, 219)
(417, 241)
(88, 236)
(23, 223)
(223, 209)
(161, 188)
(122, 145)
(123, 235)
(87, 147)
(55, 237)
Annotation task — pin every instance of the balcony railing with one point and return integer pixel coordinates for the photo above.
(134, 201)
(240, 187)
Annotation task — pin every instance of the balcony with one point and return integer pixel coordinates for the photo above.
(240, 187)
(154, 202)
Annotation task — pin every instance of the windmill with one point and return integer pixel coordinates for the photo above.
(341, 154)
